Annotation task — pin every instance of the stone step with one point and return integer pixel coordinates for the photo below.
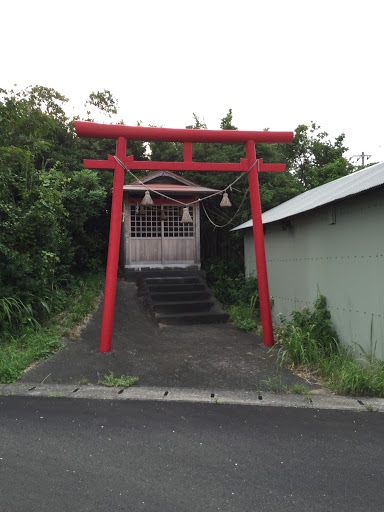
(192, 318)
(182, 306)
(150, 281)
(180, 299)
(182, 296)
(183, 287)
(139, 275)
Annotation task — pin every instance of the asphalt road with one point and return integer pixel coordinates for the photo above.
(99, 455)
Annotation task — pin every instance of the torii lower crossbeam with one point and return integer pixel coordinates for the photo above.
(187, 136)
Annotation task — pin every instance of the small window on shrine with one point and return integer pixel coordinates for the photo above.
(173, 228)
(145, 221)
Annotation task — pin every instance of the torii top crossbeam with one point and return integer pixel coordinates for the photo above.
(143, 133)
(187, 136)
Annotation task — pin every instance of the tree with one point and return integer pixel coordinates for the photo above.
(313, 159)
(104, 101)
(50, 207)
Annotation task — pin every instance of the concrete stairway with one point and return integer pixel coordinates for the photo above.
(181, 299)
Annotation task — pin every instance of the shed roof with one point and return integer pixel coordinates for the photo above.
(353, 184)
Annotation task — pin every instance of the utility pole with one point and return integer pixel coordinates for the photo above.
(362, 156)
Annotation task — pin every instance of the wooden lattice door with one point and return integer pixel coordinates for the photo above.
(157, 237)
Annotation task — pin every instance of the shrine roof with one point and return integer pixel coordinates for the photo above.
(169, 188)
(176, 185)
(161, 174)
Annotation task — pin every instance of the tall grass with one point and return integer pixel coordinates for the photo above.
(243, 316)
(14, 311)
(18, 352)
(27, 342)
(312, 346)
(347, 375)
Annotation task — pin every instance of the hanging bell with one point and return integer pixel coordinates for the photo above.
(162, 215)
(225, 202)
(142, 210)
(186, 218)
(147, 199)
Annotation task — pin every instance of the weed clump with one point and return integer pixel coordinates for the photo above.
(312, 328)
(308, 340)
(125, 381)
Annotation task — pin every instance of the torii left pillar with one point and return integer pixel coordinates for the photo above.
(113, 249)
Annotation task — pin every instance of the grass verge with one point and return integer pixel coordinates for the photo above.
(33, 343)
(308, 342)
(339, 371)
(347, 375)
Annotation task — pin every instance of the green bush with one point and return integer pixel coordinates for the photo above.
(231, 286)
(243, 316)
(311, 325)
(238, 294)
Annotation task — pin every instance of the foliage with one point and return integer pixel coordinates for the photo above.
(28, 343)
(18, 352)
(230, 285)
(15, 312)
(52, 211)
(239, 295)
(124, 381)
(243, 316)
(313, 159)
(79, 300)
(298, 389)
(345, 374)
(104, 101)
(274, 384)
(312, 324)
(300, 347)
(309, 341)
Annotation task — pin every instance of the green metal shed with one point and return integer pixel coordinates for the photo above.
(330, 240)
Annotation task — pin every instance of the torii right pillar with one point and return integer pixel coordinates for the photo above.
(258, 236)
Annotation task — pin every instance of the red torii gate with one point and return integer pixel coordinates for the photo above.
(187, 136)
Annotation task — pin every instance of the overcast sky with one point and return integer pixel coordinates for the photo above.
(277, 64)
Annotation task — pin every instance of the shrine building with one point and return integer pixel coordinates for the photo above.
(156, 236)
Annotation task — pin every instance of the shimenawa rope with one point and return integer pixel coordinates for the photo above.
(186, 205)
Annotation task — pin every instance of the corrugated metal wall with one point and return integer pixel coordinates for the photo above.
(337, 251)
